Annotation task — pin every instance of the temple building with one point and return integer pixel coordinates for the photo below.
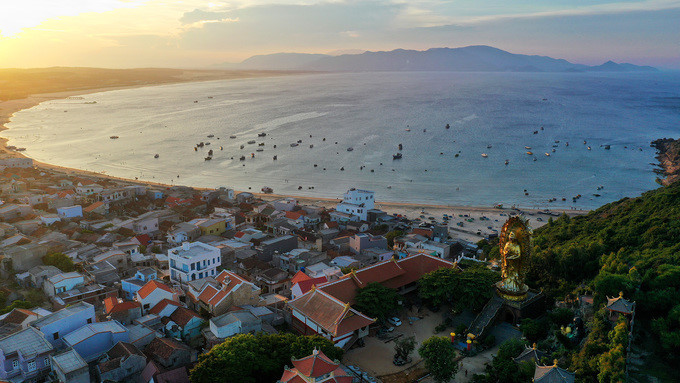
(317, 368)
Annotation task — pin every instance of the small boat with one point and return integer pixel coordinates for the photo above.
(208, 158)
(488, 146)
(607, 147)
(396, 156)
(210, 152)
(243, 146)
(408, 130)
(113, 137)
(260, 144)
(401, 147)
(485, 155)
(156, 155)
(342, 169)
(557, 141)
(252, 155)
(589, 148)
(207, 143)
(553, 150)
(259, 150)
(195, 149)
(507, 162)
(211, 135)
(311, 146)
(251, 142)
(389, 186)
(547, 154)
(447, 126)
(294, 144)
(275, 158)
(350, 149)
(424, 130)
(232, 137)
(530, 153)
(261, 134)
(195, 101)
(267, 190)
(242, 158)
(210, 96)
(221, 148)
(299, 141)
(200, 144)
(535, 159)
(527, 147)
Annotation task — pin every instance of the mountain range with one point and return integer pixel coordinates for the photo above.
(477, 58)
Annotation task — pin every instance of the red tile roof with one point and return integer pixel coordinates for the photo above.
(299, 277)
(92, 207)
(164, 347)
(112, 306)
(239, 234)
(182, 316)
(143, 239)
(151, 286)
(162, 305)
(294, 215)
(307, 284)
(315, 365)
(424, 232)
(207, 293)
(18, 316)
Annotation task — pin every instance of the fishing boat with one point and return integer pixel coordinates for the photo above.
(251, 142)
(401, 147)
(113, 137)
(447, 126)
(485, 155)
(261, 134)
(589, 148)
(530, 153)
(350, 149)
(311, 146)
(527, 147)
(208, 158)
(507, 162)
(242, 158)
(232, 137)
(275, 158)
(607, 147)
(259, 150)
(210, 152)
(489, 146)
(267, 190)
(294, 144)
(547, 154)
(243, 146)
(396, 156)
(156, 156)
(211, 135)
(408, 130)
(260, 144)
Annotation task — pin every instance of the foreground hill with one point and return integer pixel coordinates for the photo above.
(630, 246)
(473, 58)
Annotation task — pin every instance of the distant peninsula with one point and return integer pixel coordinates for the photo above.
(477, 58)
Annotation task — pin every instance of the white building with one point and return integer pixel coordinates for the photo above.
(193, 260)
(70, 211)
(357, 202)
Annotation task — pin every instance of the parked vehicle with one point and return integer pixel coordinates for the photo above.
(394, 321)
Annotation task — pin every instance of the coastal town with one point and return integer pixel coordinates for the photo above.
(110, 280)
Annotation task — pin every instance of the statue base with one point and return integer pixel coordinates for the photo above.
(511, 294)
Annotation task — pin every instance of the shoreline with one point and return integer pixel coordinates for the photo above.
(409, 209)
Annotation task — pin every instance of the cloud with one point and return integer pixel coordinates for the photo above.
(200, 16)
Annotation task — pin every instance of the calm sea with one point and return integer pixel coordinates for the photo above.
(496, 114)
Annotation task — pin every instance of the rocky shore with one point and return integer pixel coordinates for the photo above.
(669, 159)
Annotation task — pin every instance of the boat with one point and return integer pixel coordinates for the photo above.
(207, 143)
(211, 135)
(208, 158)
(535, 159)
(350, 149)
(232, 137)
(401, 147)
(210, 152)
(299, 141)
(267, 190)
(200, 144)
(243, 146)
(242, 158)
(489, 146)
(530, 153)
(507, 162)
(553, 150)
(90, 102)
(251, 142)
(396, 156)
(527, 147)
(156, 156)
(294, 144)
(113, 137)
(547, 154)
(261, 134)
(447, 126)
(275, 158)
(485, 155)
(195, 149)
(221, 148)
(589, 148)
(342, 169)
(408, 130)
(260, 144)
(607, 147)
(311, 146)
(252, 155)
(259, 150)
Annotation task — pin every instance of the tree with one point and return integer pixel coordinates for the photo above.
(60, 261)
(257, 358)
(439, 355)
(468, 289)
(391, 236)
(404, 347)
(534, 329)
(377, 301)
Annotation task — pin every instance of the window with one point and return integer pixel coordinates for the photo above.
(56, 335)
(15, 364)
(47, 361)
(89, 320)
(193, 266)
(31, 366)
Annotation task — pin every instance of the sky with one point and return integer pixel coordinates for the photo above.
(201, 34)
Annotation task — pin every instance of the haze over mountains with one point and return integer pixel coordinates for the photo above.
(478, 58)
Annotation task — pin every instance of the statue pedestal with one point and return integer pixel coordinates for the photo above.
(531, 305)
(508, 294)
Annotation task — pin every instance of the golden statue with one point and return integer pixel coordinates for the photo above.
(515, 247)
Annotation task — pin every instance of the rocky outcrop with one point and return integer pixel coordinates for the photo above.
(668, 154)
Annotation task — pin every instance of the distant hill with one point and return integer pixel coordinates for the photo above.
(473, 58)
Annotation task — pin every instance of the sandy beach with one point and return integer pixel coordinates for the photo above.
(473, 228)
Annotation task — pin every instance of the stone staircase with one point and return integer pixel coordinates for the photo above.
(486, 317)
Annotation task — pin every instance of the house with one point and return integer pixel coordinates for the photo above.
(98, 207)
(169, 353)
(357, 202)
(116, 258)
(92, 293)
(25, 356)
(441, 250)
(229, 289)
(69, 366)
(48, 219)
(70, 211)
(224, 215)
(302, 286)
(553, 374)
(94, 339)
(123, 363)
(39, 273)
(317, 312)
(60, 323)
(210, 226)
(316, 368)
(62, 282)
(88, 188)
(363, 241)
(193, 260)
(10, 211)
(281, 245)
(122, 311)
(183, 324)
(130, 286)
(321, 269)
(141, 335)
(114, 195)
(273, 280)
(164, 308)
(154, 194)
(20, 258)
(345, 261)
(620, 306)
(153, 292)
(183, 232)
(151, 321)
(21, 318)
(234, 322)
(297, 259)
(530, 354)
(145, 225)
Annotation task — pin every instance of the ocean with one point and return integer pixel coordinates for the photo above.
(567, 120)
